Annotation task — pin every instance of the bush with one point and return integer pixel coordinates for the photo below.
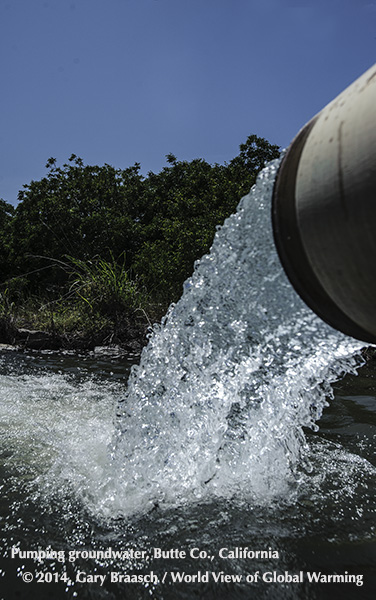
(105, 287)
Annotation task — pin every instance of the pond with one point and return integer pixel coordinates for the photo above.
(235, 460)
(325, 525)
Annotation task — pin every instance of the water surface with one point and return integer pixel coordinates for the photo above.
(234, 431)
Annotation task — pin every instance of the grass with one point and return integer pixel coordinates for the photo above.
(101, 301)
(105, 286)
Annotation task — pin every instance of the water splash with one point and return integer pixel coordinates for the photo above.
(216, 407)
(238, 367)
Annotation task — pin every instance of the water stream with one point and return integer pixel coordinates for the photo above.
(212, 443)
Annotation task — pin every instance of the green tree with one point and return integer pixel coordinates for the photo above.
(6, 215)
(161, 223)
(79, 210)
(253, 156)
(185, 203)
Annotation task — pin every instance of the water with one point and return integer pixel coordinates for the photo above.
(225, 386)
(213, 444)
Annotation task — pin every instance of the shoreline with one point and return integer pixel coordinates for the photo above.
(131, 340)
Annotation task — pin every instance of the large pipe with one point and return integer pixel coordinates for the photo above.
(324, 211)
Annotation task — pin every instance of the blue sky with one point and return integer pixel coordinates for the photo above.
(125, 81)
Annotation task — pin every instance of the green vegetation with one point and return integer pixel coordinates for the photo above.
(94, 249)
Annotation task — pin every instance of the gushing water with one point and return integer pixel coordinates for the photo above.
(225, 385)
(216, 407)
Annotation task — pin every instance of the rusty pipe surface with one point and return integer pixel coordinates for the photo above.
(324, 211)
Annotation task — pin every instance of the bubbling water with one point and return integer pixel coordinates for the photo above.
(215, 409)
(237, 368)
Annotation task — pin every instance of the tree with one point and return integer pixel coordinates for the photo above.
(186, 202)
(76, 210)
(253, 156)
(6, 215)
(161, 223)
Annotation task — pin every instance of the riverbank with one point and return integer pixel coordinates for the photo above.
(129, 336)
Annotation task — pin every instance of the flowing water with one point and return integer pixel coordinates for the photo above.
(212, 445)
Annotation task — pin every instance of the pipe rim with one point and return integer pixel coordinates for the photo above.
(291, 249)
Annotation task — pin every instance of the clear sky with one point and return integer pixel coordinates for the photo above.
(125, 81)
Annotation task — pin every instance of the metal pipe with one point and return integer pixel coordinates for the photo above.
(324, 211)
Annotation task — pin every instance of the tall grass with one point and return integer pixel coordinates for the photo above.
(100, 302)
(105, 287)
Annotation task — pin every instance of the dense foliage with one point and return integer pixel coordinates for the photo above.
(153, 228)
